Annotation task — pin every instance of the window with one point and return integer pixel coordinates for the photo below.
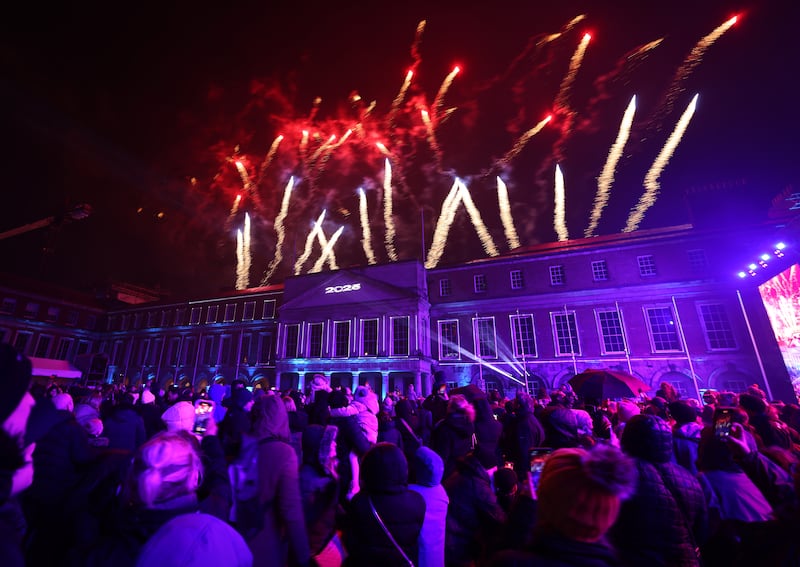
(21, 341)
(43, 346)
(599, 271)
(64, 348)
(341, 339)
(152, 319)
(400, 336)
(189, 351)
(269, 309)
(52, 314)
(264, 347)
(609, 323)
(647, 266)
(72, 318)
(663, 331)
(210, 352)
(180, 317)
(212, 313)
(174, 353)
(533, 385)
(517, 280)
(249, 311)
(8, 306)
(137, 320)
(524, 335)
(230, 312)
(565, 330)
(83, 347)
(126, 322)
(31, 309)
(315, 340)
(194, 315)
(292, 341)
(245, 356)
(226, 350)
(698, 263)
(166, 318)
(91, 322)
(144, 352)
(557, 275)
(448, 339)
(118, 353)
(445, 288)
(369, 337)
(485, 338)
(479, 281)
(735, 386)
(719, 334)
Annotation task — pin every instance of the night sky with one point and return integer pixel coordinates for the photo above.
(141, 110)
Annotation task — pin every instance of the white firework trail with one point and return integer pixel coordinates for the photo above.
(323, 242)
(366, 235)
(475, 216)
(559, 220)
(239, 260)
(388, 219)
(281, 231)
(326, 252)
(247, 256)
(606, 178)
(298, 265)
(446, 217)
(505, 215)
(562, 99)
(651, 183)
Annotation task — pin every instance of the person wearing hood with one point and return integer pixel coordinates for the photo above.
(278, 490)
(236, 422)
(319, 486)
(123, 427)
(522, 432)
(685, 434)
(474, 515)
(453, 437)
(366, 402)
(428, 468)
(384, 504)
(666, 520)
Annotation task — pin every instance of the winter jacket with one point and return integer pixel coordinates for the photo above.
(428, 473)
(384, 482)
(734, 496)
(552, 550)
(452, 439)
(685, 441)
(522, 433)
(124, 429)
(318, 488)
(474, 516)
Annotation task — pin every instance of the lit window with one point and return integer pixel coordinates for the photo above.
(485, 337)
(64, 348)
(249, 311)
(480, 283)
(517, 280)
(647, 265)
(663, 329)
(195, 316)
(292, 341)
(265, 347)
(445, 288)
(400, 330)
(565, 330)
(212, 313)
(448, 339)
(21, 341)
(31, 309)
(180, 316)
(609, 322)
(719, 334)
(43, 346)
(557, 275)
(369, 337)
(315, 340)
(698, 263)
(230, 312)
(269, 309)
(341, 337)
(524, 335)
(599, 271)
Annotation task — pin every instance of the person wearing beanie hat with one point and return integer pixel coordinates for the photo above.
(195, 540)
(179, 417)
(474, 516)
(16, 459)
(384, 487)
(666, 519)
(428, 468)
(579, 498)
(685, 434)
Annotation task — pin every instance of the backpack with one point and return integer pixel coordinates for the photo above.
(247, 514)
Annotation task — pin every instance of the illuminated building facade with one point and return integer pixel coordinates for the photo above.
(665, 305)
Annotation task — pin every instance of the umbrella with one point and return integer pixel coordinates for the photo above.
(601, 384)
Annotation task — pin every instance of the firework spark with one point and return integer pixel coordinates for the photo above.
(562, 99)
(651, 183)
(606, 178)
(398, 100)
(388, 217)
(281, 231)
(326, 252)
(298, 265)
(247, 255)
(323, 243)
(520, 144)
(559, 217)
(438, 101)
(505, 215)
(273, 150)
(477, 221)
(366, 235)
(240, 261)
(446, 216)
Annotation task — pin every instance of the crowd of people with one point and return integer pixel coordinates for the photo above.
(237, 476)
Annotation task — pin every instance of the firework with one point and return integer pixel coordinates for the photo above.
(520, 144)
(399, 98)
(606, 178)
(279, 229)
(505, 215)
(247, 256)
(651, 183)
(562, 99)
(239, 261)
(388, 218)
(559, 219)
(298, 265)
(366, 236)
(330, 257)
(689, 64)
(475, 216)
(439, 100)
(273, 150)
(446, 216)
(326, 252)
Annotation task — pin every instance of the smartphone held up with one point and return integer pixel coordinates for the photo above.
(203, 411)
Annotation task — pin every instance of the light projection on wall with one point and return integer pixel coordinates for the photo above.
(781, 297)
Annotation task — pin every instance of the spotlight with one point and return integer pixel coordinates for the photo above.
(765, 257)
(742, 275)
(780, 246)
(752, 267)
